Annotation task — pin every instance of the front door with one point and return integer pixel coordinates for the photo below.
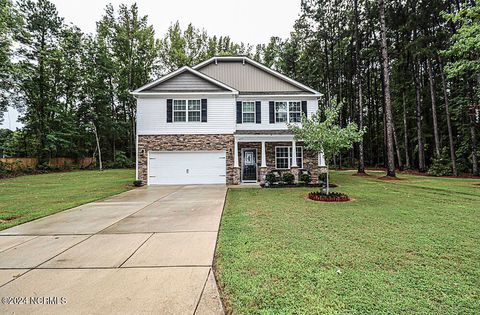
(249, 172)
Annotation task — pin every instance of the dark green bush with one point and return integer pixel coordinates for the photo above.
(441, 166)
(306, 178)
(137, 183)
(270, 178)
(121, 161)
(288, 178)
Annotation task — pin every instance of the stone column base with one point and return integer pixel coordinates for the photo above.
(263, 172)
(236, 175)
(295, 172)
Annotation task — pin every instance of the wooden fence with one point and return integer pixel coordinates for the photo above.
(23, 162)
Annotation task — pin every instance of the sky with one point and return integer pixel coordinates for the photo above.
(251, 21)
(248, 21)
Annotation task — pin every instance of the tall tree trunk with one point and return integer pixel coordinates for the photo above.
(405, 135)
(449, 122)
(388, 105)
(361, 159)
(431, 81)
(473, 136)
(397, 148)
(418, 101)
(475, 170)
(98, 147)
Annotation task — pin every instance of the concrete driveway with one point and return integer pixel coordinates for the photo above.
(146, 251)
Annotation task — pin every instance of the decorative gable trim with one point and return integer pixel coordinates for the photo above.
(260, 66)
(142, 90)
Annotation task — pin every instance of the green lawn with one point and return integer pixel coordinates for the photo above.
(31, 197)
(409, 246)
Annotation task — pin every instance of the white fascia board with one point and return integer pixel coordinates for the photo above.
(180, 71)
(147, 94)
(290, 96)
(263, 67)
(264, 137)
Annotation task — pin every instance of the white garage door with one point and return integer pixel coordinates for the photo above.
(173, 168)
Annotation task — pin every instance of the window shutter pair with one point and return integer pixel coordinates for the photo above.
(258, 112)
(170, 110)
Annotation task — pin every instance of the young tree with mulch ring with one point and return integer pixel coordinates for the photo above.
(324, 134)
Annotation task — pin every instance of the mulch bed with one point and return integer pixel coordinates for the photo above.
(332, 197)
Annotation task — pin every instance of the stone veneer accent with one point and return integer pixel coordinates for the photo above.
(185, 143)
(310, 159)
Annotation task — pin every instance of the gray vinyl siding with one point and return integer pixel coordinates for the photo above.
(245, 77)
(186, 82)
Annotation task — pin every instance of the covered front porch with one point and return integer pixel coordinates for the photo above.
(257, 153)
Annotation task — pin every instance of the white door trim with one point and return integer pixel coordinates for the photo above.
(256, 166)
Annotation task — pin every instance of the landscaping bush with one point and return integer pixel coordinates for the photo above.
(137, 183)
(306, 178)
(270, 178)
(441, 166)
(45, 167)
(288, 178)
(121, 161)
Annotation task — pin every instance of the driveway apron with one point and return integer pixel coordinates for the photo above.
(145, 251)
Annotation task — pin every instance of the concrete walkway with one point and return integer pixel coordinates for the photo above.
(146, 251)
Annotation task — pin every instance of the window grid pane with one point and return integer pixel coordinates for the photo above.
(248, 117)
(248, 107)
(179, 116)
(295, 107)
(281, 117)
(194, 116)
(300, 157)
(186, 110)
(295, 117)
(282, 156)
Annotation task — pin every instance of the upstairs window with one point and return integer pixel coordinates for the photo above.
(248, 112)
(294, 111)
(288, 112)
(186, 110)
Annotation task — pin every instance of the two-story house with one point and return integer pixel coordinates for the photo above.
(222, 121)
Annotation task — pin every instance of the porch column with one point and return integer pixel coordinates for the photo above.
(236, 168)
(294, 167)
(294, 154)
(263, 166)
(264, 155)
(235, 154)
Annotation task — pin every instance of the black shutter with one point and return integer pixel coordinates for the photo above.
(258, 112)
(239, 112)
(169, 110)
(272, 112)
(204, 110)
(304, 108)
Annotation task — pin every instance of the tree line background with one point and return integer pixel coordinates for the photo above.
(418, 87)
